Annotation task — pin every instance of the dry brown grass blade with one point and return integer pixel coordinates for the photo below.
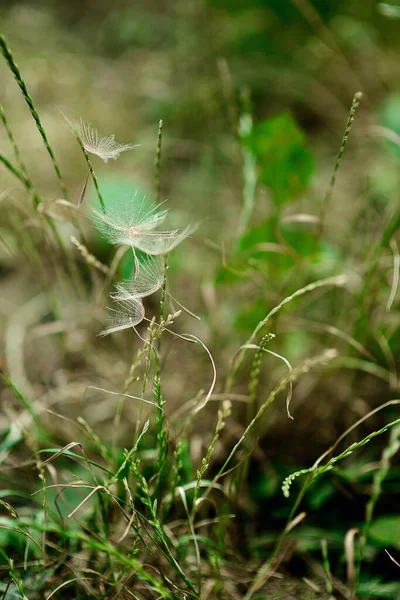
(300, 517)
(83, 192)
(94, 490)
(349, 550)
(127, 528)
(392, 559)
(61, 451)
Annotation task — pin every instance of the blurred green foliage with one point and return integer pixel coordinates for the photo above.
(286, 165)
(386, 531)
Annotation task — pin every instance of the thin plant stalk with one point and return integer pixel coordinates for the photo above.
(327, 567)
(223, 414)
(149, 346)
(157, 174)
(388, 453)
(23, 173)
(23, 176)
(337, 280)
(12, 140)
(94, 178)
(162, 435)
(5, 50)
(14, 171)
(265, 569)
(255, 375)
(128, 382)
(162, 309)
(353, 109)
(303, 368)
(28, 186)
(157, 185)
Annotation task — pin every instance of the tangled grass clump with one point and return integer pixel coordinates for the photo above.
(121, 483)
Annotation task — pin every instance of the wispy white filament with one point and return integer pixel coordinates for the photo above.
(132, 222)
(94, 143)
(146, 281)
(130, 315)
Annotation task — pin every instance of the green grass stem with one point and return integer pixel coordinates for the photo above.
(353, 109)
(157, 174)
(337, 280)
(5, 50)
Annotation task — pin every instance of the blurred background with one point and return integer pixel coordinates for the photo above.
(242, 86)
(292, 68)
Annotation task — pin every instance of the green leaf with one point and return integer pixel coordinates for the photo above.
(386, 531)
(260, 234)
(285, 162)
(375, 589)
(250, 315)
(389, 117)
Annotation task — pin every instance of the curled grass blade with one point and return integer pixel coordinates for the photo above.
(337, 280)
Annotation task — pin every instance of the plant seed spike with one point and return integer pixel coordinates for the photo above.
(354, 105)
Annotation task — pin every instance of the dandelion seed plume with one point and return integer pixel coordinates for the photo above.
(133, 222)
(148, 280)
(94, 143)
(131, 314)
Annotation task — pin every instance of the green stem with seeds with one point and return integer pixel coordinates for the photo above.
(162, 307)
(157, 176)
(336, 280)
(354, 105)
(21, 175)
(6, 52)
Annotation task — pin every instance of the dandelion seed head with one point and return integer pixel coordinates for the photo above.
(131, 314)
(94, 143)
(162, 242)
(133, 223)
(148, 280)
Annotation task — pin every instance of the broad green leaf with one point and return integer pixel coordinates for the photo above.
(259, 234)
(249, 317)
(386, 531)
(285, 162)
(302, 237)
